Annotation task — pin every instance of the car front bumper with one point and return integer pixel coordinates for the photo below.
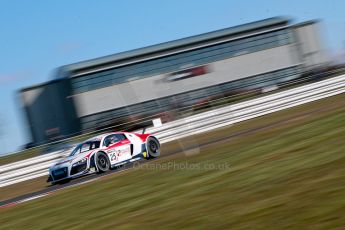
(66, 171)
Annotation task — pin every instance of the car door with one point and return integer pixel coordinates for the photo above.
(118, 148)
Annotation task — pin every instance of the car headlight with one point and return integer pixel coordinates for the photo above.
(82, 161)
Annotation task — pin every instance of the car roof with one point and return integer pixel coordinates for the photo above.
(101, 136)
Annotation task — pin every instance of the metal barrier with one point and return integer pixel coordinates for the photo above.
(203, 122)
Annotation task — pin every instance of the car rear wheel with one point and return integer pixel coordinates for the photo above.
(102, 162)
(152, 147)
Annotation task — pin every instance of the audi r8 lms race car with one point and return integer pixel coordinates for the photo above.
(103, 152)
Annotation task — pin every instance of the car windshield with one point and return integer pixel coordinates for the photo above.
(86, 146)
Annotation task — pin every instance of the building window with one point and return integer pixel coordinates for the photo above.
(178, 61)
(149, 108)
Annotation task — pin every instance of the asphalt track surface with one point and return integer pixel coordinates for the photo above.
(88, 178)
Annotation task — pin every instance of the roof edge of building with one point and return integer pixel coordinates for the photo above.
(173, 44)
(310, 22)
(39, 85)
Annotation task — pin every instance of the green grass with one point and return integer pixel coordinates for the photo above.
(291, 176)
(25, 154)
(303, 113)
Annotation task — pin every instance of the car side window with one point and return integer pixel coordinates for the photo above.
(111, 139)
(121, 137)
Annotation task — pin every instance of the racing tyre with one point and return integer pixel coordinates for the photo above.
(102, 162)
(152, 147)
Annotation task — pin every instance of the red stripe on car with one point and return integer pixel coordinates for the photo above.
(143, 137)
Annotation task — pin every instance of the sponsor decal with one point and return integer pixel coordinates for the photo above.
(111, 150)
(115, 154)
(187, 73)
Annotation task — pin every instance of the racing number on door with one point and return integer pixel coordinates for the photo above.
(119, 154)
(113, 156)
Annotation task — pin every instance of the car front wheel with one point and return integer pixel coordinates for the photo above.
(102, 162)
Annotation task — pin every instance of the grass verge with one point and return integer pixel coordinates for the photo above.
(287, 118)
(282, 177)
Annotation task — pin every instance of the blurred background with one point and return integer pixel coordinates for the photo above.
(204, 69)
(68, 70)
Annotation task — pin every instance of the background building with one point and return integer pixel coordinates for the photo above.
(110, 90)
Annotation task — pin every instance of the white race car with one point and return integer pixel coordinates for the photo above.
(103, 152)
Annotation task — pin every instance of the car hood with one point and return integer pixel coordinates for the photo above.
(72, 159)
